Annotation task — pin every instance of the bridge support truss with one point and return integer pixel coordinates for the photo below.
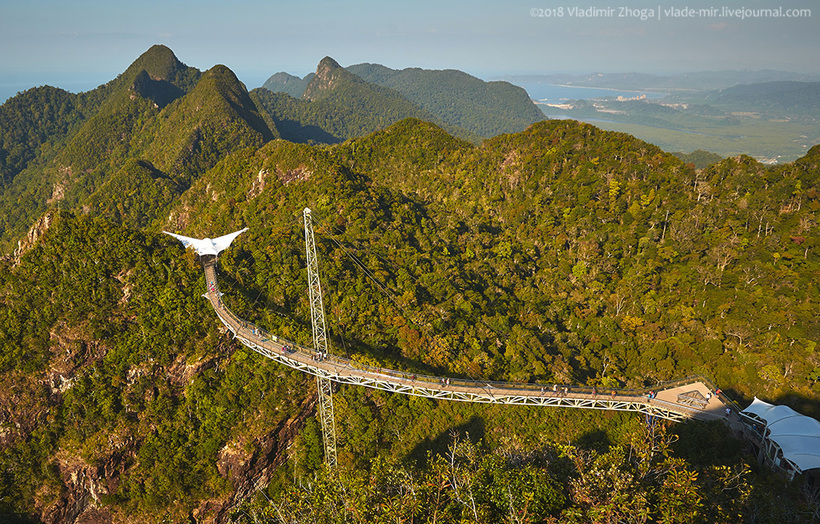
(317, 317)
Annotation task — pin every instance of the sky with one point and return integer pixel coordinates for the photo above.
(78, 44)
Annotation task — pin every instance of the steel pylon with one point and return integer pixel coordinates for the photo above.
(317, 318)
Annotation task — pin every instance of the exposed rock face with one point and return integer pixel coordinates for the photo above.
(23, 407)
(300, 174)
(83, 485)
(181, 372)
(34, 234)
(328, 75)
(248, 465)
(251, 470)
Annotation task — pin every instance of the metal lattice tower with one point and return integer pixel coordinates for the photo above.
(317, 318)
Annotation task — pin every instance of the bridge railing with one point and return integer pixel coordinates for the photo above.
(416, 380)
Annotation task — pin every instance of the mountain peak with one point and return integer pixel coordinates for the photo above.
(221, 72)
(160, 63)
(327, 65)
(329, 74)
(285, 83)
(223, 97)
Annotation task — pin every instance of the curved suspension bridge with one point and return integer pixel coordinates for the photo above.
(686, 399)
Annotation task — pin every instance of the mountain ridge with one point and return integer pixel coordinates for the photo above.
(791, 97)
(453, 97)
(560, 254)
(338, 105)
(123, 122)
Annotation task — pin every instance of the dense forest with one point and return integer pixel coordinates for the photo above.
(485, 108)
(337, 105)
(560, 253)
(458, 100)
(282, 82)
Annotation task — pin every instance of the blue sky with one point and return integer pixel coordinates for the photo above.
(79, 44)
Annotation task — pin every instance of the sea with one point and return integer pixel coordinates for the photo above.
(556, 93)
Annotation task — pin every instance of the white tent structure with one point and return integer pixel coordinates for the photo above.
(788, 439)
(208, 246)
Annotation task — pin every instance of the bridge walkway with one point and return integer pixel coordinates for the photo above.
(666, 403)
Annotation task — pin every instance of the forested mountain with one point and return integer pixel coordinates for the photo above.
(699, 158)
(337, 105)
(286, 83)
(559, 254)
(484, 108)
(141, 116)
(793, 98)
(454, 98)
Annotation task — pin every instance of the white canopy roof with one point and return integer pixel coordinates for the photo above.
(208, 246)
(798, 436)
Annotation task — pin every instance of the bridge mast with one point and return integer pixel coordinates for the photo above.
(317, 317)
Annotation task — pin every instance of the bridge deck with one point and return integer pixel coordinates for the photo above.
(665, 404)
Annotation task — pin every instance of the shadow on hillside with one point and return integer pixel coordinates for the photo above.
(594, 439)
(706, 443)
(295, 131)
(473, 429)
(800, 403)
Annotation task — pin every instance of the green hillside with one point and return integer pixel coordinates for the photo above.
(337, 105)
(201, 118)
(286, 83)
(484, 108)
(33, 121)
(559, 254)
